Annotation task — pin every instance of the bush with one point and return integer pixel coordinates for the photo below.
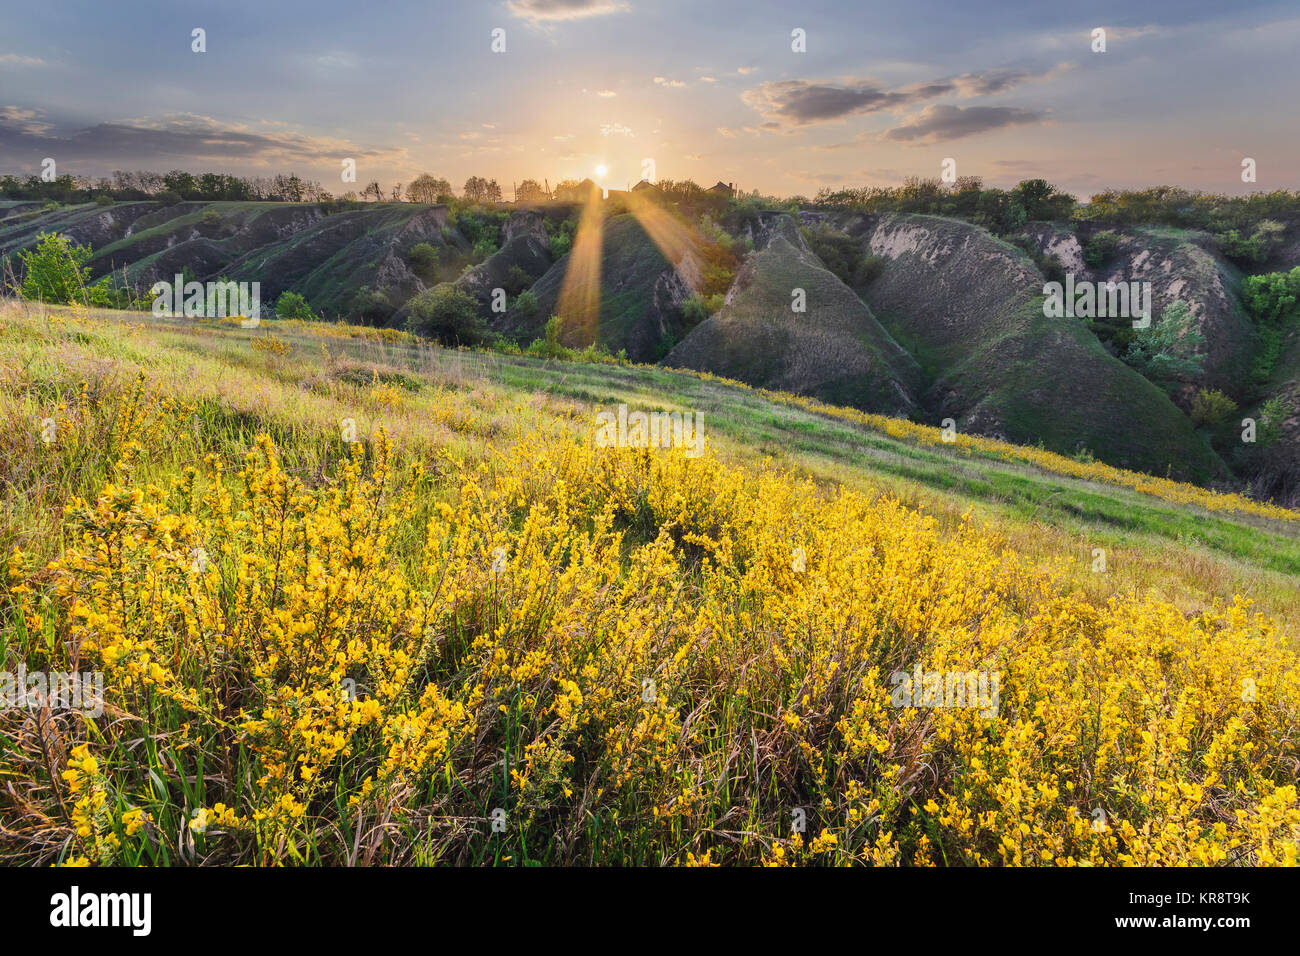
(104, 200)
(211, 218)
(550, 347)
(560, 244)
(1271, 298)
(695, 310)
(1165, 352)
(1270, 301)
(1255, 249)
(870, 269)
(423, 258)
(372, 306)
(526, 304)
(1100, 250)
(1271, 415)
(1211, 406)
(55, 271)
(448, 314)
(517, 280)
(291, 305)
(838, 250)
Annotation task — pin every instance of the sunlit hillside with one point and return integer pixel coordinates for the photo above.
(359, 599)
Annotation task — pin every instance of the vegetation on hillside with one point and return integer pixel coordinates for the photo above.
(378, 612)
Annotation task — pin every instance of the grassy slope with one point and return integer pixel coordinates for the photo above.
(526, 689)
(971, 307)
(630, 265)
(285, 246)
(1187, 554)
(835, 351)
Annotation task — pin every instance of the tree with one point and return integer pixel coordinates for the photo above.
(480, 190)
(530, 191)
(55, 271)
(374, 191)
(427, 189)
(423, 258)
(1165, 351)
(448, 314)
(1041, 200)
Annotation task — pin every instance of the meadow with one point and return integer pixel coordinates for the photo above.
(361, 600)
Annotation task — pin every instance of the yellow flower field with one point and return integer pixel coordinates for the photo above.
(553, 652)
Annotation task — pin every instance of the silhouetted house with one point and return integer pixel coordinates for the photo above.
(647, 190)
(585, 190)
(723, 189)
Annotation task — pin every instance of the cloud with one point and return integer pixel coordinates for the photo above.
(615, 129)
(16, 59)
(606, 93)
(805, 102)
(21, 121)
(725, 131)
(746, 70)
(178, 139)
(337, 60)
(675, 84)
(939, 123)
(545, 11)
(799, 102)
(991, 81)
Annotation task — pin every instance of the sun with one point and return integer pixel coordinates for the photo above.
(600, 170)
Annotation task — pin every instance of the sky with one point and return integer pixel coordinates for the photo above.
(1184, 91)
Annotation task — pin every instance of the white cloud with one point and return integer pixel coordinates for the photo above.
(549, 11)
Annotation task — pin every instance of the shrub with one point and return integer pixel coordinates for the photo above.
(526, 304)
(838, 250)
(372, 306)
(550, 347)
(1271, 415)
(694, 310)
(870, 269)
(560, 244)
(1165, 352)
(1211, 406)
(55, 271)
(1100, 249)
(1271, 302)
(104, 200)
(423, 258)
(448, 314)
(517, 280)
(291, 305)
(1255, 249)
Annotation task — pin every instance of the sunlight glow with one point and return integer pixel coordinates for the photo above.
(579, 301)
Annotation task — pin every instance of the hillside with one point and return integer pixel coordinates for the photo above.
(323, 254)
(835, 350)
(357, 597)
(640, 297)
(952, 328)
(970, 307)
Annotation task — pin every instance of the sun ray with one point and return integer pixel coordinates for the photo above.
(674, 239)
(579, 301)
